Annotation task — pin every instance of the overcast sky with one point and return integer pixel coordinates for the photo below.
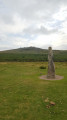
(39, 23)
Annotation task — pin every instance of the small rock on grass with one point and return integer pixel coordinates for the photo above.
(52, 103)
(47, 100)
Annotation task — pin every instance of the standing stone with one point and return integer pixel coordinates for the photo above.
(51, 68)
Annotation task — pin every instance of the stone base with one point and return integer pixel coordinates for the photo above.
(57, 77)
(52, 77)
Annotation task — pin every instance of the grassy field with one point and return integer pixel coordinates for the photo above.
(23, 96)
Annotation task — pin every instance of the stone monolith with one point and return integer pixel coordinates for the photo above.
(51, 67)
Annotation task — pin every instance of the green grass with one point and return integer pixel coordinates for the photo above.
(23, 94)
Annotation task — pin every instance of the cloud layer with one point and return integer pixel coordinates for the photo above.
(39, 23)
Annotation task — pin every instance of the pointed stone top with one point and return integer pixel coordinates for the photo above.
(50, 47)
(50, 51)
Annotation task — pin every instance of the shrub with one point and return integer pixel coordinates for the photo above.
(42, 67)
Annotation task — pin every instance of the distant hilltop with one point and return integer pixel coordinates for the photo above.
(31, 50)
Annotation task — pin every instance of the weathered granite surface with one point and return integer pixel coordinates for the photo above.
(51, 66)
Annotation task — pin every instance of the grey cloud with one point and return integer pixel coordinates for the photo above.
(6, 14)
(41, 30)
(7, 19)
(34, 12)
(7, 42)
(33, 9)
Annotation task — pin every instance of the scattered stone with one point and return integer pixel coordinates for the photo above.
(47, 100)
(52, 103)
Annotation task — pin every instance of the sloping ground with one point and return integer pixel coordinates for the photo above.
(32, 50)
(26, 50)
